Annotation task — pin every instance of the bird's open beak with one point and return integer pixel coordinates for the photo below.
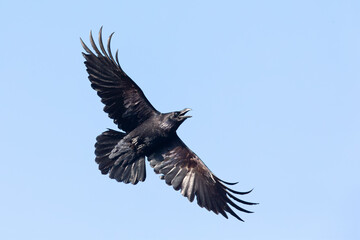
(183, 112)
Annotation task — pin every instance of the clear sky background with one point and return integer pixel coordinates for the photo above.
(275, 92)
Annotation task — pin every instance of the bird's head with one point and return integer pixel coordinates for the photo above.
(179, 116)
(174, 119)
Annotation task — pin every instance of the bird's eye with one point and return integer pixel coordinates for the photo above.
(176, 114)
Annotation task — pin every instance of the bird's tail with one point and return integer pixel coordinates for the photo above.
(125, 169)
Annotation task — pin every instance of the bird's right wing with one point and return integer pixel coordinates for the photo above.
(124, 101)
(184, 170)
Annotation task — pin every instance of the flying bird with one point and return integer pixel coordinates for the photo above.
(148, 133)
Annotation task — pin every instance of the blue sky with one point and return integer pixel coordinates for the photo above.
(274, 87)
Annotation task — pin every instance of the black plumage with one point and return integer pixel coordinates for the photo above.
(147, 133)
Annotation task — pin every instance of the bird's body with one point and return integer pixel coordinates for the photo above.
(147, 133)
(145, 137)
(142, 141)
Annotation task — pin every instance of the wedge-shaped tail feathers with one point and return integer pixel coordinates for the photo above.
(124, 167)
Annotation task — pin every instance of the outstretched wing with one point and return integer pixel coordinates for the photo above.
(124, 101)
(184, 170)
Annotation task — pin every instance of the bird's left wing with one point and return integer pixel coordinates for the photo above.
(124, 101)
(184, 170)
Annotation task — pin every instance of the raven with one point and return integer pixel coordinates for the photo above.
(149, 133)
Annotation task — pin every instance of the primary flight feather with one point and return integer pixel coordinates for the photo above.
(148, 133)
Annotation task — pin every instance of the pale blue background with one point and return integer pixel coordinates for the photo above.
(275, 92)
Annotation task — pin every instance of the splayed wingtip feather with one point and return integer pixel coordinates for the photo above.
(101, 44)
(92, 42)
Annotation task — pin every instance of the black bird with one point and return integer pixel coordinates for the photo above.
(151, 134)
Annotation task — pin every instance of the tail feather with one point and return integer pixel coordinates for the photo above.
(131, 173)
(127, 170)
